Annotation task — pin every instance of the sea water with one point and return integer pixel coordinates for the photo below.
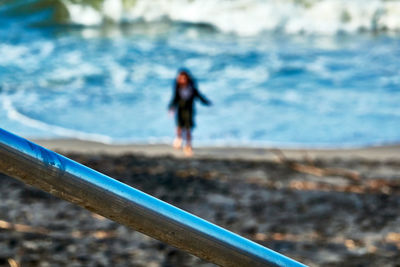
(279, 73)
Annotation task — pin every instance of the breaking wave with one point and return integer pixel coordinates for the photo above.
(242, 17)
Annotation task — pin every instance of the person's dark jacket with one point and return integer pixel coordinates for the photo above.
(185, 107)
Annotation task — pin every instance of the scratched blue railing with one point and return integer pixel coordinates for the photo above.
(67, 179)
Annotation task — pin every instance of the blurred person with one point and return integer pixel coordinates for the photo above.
(182, 104)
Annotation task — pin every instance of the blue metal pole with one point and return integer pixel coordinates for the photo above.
(69, 180)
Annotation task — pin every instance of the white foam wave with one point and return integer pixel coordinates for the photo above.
(113, 9)
(12, 54)
(83, 14)
(250, 17)
(14, 114)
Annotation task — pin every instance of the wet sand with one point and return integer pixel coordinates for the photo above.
(306, 207)
(247, 153)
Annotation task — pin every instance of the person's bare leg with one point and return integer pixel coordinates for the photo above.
(188, 148)
(178, 140)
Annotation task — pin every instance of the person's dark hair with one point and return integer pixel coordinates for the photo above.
(189, 76)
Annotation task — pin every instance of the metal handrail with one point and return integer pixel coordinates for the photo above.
(69, 180)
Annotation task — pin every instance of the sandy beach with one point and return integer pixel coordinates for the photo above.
(246, 153)
(321, 207)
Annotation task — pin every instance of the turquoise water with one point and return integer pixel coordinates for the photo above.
(112, 82)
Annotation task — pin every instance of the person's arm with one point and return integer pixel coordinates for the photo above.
(202, 98)
(174, 101)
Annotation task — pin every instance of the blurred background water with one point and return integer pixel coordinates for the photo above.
(303, 73)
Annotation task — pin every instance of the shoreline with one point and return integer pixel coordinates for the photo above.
(386, 152)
